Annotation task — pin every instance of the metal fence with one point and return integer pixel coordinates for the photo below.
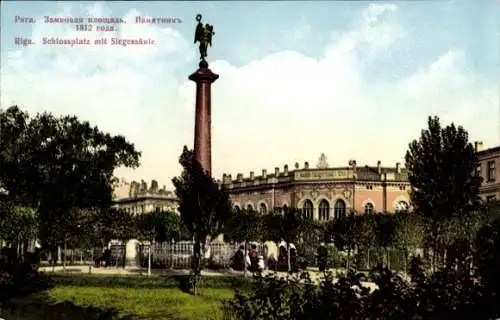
(177, 255)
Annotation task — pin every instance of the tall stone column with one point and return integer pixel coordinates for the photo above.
(203, 77)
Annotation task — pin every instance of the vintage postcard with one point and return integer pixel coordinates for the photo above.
(226, 138)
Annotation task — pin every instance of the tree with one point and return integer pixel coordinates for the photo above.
(286, 227)
(385, 231)
(18, 224)
(54, 164)
(148, 227)
(364, 229)
(169, 226)
(244, 226)
(441, 166)
(342, 232)
(409, 233)
(204, 207)
(88, 233)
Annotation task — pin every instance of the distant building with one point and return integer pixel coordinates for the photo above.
(138, 198)
(323, 193)
(487, 168)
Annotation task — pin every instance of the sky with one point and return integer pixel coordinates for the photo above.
(353, 80)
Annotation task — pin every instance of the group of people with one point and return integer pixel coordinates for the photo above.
(254, 262)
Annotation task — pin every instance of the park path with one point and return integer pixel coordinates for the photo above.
(315, 275)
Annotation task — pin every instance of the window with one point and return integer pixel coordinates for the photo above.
(249, 208)
(478, 170)
(491, 198)
(263, 208)
(491, 170)
(158, 209)
(237, 208)
(339, 208)
(402, 206)
(324, 210)
(308, 209)
(369, 208)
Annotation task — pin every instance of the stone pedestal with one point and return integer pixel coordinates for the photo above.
(204, 77)
(131, 257)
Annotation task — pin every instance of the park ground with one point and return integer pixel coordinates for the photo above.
(130, 294)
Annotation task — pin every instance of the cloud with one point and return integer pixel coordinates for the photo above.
(281, 109)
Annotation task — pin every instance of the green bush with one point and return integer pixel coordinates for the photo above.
(454, 292)
(20, 279)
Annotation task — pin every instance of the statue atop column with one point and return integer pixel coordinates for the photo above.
(203, 35)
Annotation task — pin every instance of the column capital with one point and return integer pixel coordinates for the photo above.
(203, 75)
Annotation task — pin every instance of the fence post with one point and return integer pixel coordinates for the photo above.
(149, 259)
(172, 254)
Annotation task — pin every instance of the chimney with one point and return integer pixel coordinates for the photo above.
(379, 167)
(398, 167)
(296, 165)
(285, 169)
(352, 163)
(252, 176)
(276, 172)
(239, 177)
(306, 165)
(264, 174)
(478, 146)
(154, 186)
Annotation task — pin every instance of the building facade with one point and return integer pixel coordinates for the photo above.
(487, 168)
(323, 193)
(139, 198)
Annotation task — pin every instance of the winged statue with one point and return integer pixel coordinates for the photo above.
(203, 35)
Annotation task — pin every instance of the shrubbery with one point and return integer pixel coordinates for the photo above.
(457, 291)
(19, 279)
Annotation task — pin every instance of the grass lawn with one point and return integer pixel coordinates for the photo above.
(156, 303)
(126, 297)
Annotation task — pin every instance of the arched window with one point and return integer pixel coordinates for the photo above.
(249, 208)
(263, 208)
(369, 208)
(339, 208)
(237, 208)
(307, 209)
(324, 210)
(402, 206)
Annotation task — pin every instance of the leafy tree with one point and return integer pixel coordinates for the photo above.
(385, 232)
(88, 233)
(148, 228)
(244, 226)
(54, 164)
(114, 224)
(342, 232)
(169, 226)
(441, 166)
(285, 227)
(204, 207)
(18, 224)
(364, 230)
(410, 233)
(309, 240)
